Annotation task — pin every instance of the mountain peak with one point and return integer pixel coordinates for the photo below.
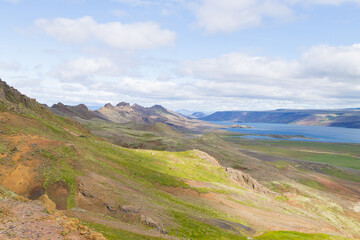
(108, 105)
(159, 107)
(82, 107)
(57, 105)
(123, 104)
(137, 106)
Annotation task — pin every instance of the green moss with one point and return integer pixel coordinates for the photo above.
(3, 106)
(59, 169)
(281, 198)
(193, 229)
(116, 234)
(5, 193)
(147, 135)
(280, 187)
(208, 190)
(280, 164)
(312, 183)
(335, 172)
(56, 131)
(282, 235)
(3, 147)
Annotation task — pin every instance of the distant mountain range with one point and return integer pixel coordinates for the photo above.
(125, 113)
(349, 118)
(186, 120)
(191, 114)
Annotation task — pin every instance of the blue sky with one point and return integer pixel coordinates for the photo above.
(203, 55)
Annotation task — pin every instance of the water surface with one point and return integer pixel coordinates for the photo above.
(314, 133)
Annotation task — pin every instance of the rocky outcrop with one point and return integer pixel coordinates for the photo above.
(243, 178)
(246, 180)
(206, 157)
(148, 221)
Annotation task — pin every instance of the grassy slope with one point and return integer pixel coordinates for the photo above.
(281, 235)
(169, 169)
(146, 170)
(117, 234)
(211, 143)
(67, 160)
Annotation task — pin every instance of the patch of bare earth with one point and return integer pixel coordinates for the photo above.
(31, 220)
(19, 165)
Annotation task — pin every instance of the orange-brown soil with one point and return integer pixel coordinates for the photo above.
(19, 166)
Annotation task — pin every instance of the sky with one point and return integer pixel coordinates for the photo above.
(199, 55)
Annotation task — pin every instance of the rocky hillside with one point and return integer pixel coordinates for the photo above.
(338, 118)
(12, 100)
(146, 194)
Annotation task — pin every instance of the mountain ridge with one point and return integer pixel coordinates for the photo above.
(123, 113)
(349, 118)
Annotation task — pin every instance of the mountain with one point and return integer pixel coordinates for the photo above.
(197, 115)
(86, 183)
(349, 118)
(190, 114)
(80, 110)
(184, 112)
(124, 113)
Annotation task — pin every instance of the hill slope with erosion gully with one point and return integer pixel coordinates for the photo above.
(140, 194)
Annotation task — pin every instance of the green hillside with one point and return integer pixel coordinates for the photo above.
(148, 194)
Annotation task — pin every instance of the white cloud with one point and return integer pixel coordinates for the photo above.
(114, 34)
(338, 63)
(238, 66)
(322, 73)
(230, 15)
(82, 69)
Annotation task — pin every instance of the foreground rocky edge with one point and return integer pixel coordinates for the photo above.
(21, 218)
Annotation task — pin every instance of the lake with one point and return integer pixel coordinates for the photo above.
(315, 133)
